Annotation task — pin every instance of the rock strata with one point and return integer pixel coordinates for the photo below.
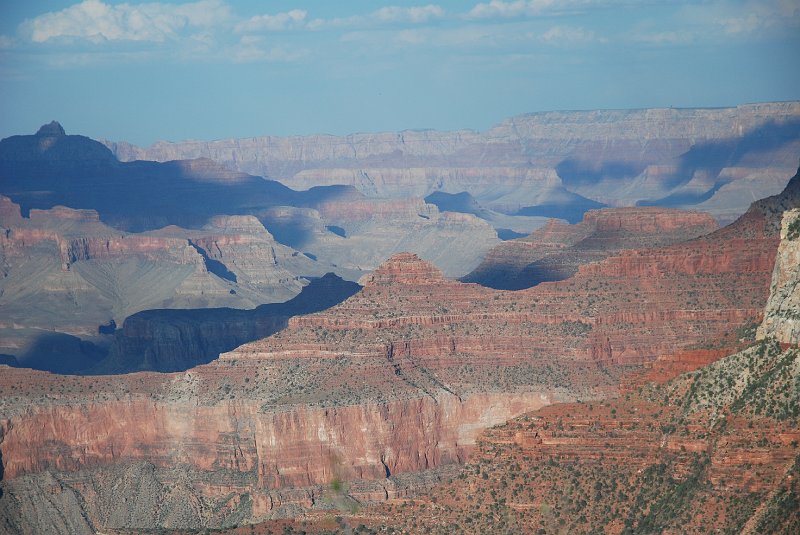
(402, 377)
(555, 251)
(715, 160)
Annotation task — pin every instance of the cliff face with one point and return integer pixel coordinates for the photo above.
(782, 315)
(692, 455)
(555, 251)
(712, 449)
(65, 271)
(714, 159)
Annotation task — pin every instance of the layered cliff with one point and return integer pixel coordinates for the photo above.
(712, 450)
(714, 159)
(397, 380)
(363, 400)
(65, 271)
(555, 251)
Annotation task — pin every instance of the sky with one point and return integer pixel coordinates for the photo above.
(212, 69)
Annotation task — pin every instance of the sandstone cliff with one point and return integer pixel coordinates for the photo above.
(712, 450)
(397, 380)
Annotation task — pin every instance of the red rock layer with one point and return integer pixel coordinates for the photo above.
(690, 456)
(399, 378)
(555, 251)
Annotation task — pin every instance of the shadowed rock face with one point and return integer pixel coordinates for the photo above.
(334, 224)
(51, 168)
(176, 340)
(715, 160)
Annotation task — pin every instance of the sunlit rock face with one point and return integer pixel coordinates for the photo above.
(782, 315)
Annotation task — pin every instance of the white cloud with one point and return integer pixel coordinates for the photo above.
(529, 8)
(502, 9)
(254, 48)
(414, 15)
(97, 22)
(293, 19)
(568, 35)
(384, 15)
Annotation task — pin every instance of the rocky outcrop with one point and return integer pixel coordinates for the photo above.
(782, 315)
(557, 250)
(712, 159)
(66, 271)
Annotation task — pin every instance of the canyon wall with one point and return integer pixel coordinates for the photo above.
(399, 379)
(782, 315)
(716, 160)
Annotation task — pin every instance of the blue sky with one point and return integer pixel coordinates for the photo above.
(214, 68)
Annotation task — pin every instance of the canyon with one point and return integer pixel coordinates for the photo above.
(712, 448)
(716, 160)
(381, 395)
(87, 241)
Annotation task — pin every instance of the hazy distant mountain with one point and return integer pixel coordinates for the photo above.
(716, 160)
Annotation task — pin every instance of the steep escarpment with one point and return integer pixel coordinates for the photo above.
(715, 160)
(712, 449)
(782, 315)
(369, 395)
(555, 251)
(279, 419)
